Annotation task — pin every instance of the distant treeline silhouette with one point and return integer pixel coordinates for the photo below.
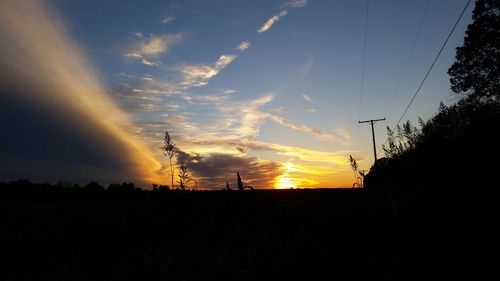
(28, 189)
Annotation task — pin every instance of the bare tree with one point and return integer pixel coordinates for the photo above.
(169, 148)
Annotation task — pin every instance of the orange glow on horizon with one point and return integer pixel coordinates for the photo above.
(284, 182)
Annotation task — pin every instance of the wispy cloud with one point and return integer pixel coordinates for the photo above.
(301, 153)
(137, 34)
(306, 68)
(153, 47)
(151, 107)
(316, 133)
(168, 19)
(297, 3)
(265, 27)
(150, 63)
(199, 75)
(307, 98)
(344, 136)
(227, 91)
(243, 46)
(252, 116)
(309, 155)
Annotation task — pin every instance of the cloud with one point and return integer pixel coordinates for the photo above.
(243, 46)
(168, 19)
(150, 63)
(304, 129)
(211, 143)
(251, 118)
(228, 91)
(243, 119)
(151, 107)
(300, 153)
(213, 170)
(248, 114)
(297, 3)
(199, 75)
(137, 34)
(306, 67)
(310, 110)
(271, 21)
(43, 71)
(307, 98)
(344, 136)
(153, 47)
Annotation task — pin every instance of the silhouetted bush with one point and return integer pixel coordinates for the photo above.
(452, 150)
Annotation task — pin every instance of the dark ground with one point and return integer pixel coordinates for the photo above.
(73, 234)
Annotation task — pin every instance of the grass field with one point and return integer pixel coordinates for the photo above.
(223, 235)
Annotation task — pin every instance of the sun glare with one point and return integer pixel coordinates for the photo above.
(285, 181)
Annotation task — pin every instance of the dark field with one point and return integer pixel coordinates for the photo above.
(74, 234)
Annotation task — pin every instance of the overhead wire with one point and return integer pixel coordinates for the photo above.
(432, 65)
(410, 54)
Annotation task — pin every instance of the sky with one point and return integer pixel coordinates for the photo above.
(271, 89)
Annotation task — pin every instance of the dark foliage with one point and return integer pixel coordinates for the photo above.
(453, 149)
(477, 66)
(59, 233)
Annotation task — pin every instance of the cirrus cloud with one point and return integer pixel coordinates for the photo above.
(153, 47)
(265, 27)
(297, 3)
(243, 46)
(198, 75)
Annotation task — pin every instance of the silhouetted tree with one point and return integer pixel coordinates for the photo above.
(477, 66)
(124, 187)
(169, 148)
(160, 187)
(240, 183)
(184, 177)
(227, 186)
(93, 187)
(163, 187)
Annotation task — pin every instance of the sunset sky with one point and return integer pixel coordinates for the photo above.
(272, 89)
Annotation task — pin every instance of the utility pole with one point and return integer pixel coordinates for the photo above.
(373, 121)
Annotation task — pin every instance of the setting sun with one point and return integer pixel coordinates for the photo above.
(284, 182)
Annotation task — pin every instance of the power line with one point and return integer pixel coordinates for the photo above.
(434, 62)
(432, 65)
(398, 84)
